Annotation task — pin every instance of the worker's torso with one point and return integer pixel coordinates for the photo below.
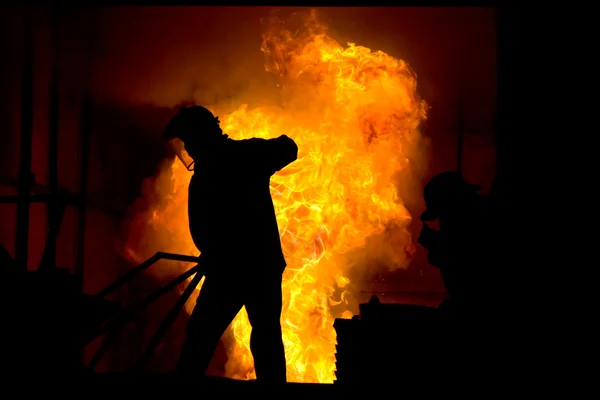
(471, 251)
(231, 214)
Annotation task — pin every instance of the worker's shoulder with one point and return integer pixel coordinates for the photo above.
(254, 140)
(254, 143)
(236, 143)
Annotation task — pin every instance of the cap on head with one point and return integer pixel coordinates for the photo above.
(444, 187)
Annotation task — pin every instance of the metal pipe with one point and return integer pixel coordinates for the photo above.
(83, 183)
(111, 328)
(127, 314)
(167, 322)
(460, 123)
(25, 177)
(142, 267)
(497, 183)
(36, 198)
(53, 132)
(459, 154)
(127, 277)
(85, 133)
(40, 189)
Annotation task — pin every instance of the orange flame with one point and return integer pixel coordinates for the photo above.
(355, 115)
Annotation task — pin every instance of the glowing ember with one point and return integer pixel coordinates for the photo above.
(355, 116)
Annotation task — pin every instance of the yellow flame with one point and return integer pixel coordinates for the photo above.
(355, 115)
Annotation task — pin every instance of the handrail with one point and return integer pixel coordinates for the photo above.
(142, 267)
(111, 327)
(166, 324)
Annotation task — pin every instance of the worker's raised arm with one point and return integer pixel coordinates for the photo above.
(272, 155)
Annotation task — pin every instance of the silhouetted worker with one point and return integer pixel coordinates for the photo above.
(232, 222)
(464, 249)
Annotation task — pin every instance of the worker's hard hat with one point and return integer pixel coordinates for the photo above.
(190, 125)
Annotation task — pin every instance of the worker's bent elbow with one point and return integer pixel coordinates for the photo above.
(291, 149)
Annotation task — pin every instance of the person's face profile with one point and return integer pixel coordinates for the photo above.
(216, 129)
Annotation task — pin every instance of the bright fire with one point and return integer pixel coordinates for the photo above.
(355, 115)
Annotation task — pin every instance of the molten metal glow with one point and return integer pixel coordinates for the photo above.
(355, 115)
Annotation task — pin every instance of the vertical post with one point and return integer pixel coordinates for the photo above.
(85, 132)
(494, 185)
(459, 152)
(460, 127)
(82, 200)
(25, 178)
(53, 134)
(83, 181)
(497, 132)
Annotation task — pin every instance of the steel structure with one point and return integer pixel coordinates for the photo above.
(57, 199)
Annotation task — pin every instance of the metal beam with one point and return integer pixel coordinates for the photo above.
(459, 144)
(83, 183)
(53, 133)
(167, 322)
(25, 177)
(35, 198)
(142, 267)
(110, 328)
(460, 110)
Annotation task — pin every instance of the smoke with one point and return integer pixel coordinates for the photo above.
(292, 86)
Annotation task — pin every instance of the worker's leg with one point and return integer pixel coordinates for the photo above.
(264, 305)
(216, 306)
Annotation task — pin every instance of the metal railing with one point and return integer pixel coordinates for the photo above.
(111, 327)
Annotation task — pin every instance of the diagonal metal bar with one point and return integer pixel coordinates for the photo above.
(111, 327)
(27, 111)
(108, 340)
(167, 322)
(130, 312)
(142, 267)
(128, 276)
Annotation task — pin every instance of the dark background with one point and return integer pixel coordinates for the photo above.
(138, 62)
